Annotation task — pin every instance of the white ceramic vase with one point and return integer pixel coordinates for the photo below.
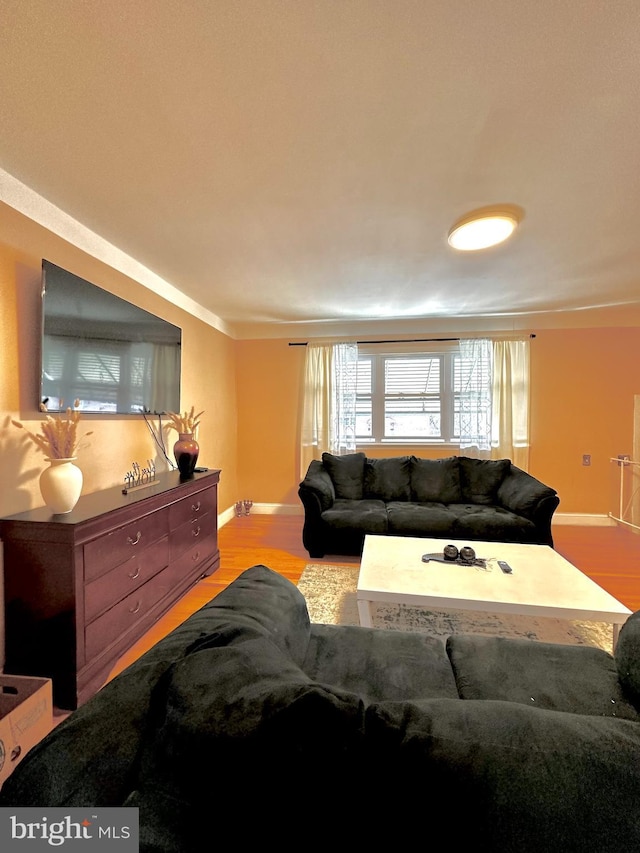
(61, 484)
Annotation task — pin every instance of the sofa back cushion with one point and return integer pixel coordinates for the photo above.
(242, 718)
(554, 676)
(517, 778)
(627, 656)
(347, 474)
(480, 479)
(388, 479)
(435, 480)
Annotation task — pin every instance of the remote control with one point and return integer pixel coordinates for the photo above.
(506, 568)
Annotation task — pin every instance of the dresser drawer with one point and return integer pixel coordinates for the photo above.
(120, 545)
(123, 616)
(188, 564)
(193, 507)
(188, 534)
(117, 583)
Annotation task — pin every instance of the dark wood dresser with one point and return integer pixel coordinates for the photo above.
(81, 588)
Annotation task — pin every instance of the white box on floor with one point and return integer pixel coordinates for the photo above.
(26, 716)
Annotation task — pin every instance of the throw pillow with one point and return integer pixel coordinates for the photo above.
(519, 779)
(347, 474)
(388, 479)
(627, 655)
(317, 480)
(435, 480)
(523, 494)
(246, 715)
(480, 479)
(260, 602)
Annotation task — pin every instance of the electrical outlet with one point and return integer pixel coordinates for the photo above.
(586, 459)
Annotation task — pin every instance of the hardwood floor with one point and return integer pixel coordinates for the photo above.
(608, 555)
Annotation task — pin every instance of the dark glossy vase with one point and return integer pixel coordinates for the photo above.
(186, 450)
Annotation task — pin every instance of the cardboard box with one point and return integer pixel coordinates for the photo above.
(26, 716)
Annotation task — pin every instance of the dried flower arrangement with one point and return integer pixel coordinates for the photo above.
(59, 438)
(187, 423)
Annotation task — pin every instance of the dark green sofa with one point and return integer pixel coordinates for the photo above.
(248, 725)
(346, 497)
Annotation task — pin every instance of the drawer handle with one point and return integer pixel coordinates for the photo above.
(137, 574)
(196, 531)
(196, 557)
(136, 608)
(136, 540)
(195, 507)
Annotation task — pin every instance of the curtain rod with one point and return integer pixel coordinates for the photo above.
(400, 341)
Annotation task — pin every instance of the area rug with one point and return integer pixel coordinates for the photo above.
(330, 593)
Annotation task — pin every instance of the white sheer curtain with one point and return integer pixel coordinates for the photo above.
(328, 401)
(510, 406)
(474, 395)
(493, 388)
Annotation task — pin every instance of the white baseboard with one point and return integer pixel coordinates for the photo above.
(278, 509)
(261, 509)
(583, 518)
(226, 516)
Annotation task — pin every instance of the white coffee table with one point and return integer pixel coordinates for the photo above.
(542, 582)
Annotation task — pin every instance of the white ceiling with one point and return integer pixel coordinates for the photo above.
(297, 164)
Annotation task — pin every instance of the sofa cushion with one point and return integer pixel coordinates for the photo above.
(379, 665)
(260, 602)
(347, 474)
(239, 716)
(516, 779)
(368, 516)
(388, 479)
(435, 480)
(479, 521)
(480, 479)
(627, 657)
(576, 679)
(407, 518)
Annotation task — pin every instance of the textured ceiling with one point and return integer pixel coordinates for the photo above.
(298, 164)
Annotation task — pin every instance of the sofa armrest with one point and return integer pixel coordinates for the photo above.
(317, 494)
(523, 494)
(316, 491)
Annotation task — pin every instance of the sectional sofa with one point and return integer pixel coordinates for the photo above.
(249, 725)
(346, 497)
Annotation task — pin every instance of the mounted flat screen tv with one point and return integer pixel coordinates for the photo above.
(101, 350)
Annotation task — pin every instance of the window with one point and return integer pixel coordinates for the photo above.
(417, 397)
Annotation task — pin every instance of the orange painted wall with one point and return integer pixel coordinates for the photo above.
(268, 379)
(583, 385)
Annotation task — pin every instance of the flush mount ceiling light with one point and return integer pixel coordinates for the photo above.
(485, 227)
